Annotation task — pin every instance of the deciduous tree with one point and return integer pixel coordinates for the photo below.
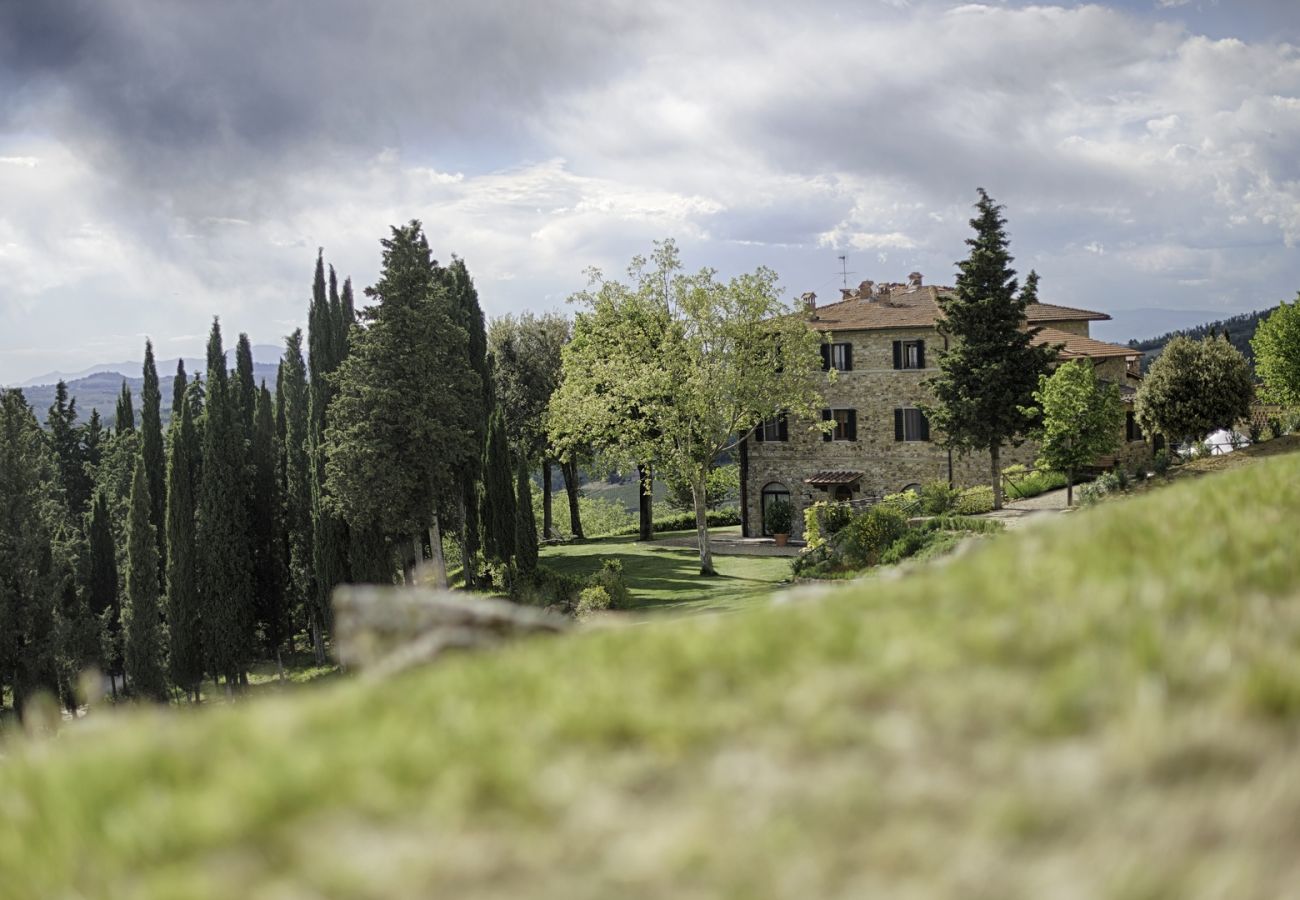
(1194, 388)
(1277, 354)
(1078, 419)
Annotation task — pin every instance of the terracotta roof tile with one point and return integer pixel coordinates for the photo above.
(1079, 346)
(919, 308)
(833, 477)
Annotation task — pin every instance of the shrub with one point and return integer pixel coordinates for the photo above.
(716, 518)
(601, 517)
(546, 587)
(1254, 431)
(1023, 483)
(779, 517)
(1121, 479)
(868, 535)
(1274, 427)
(938, 497)
(592, 600)
(907, 545)
(974, 500)
(906, 502)
(1160, 462)
(1091, 493)
(610, 579)
(822, 520)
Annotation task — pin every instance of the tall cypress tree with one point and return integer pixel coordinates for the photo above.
(151, 448)
(329, 533)
(224, 561)
(184, 628)
(124, 416)
(525, 524)
(297, 479)
(102, 589)
(140, 612)
(469, 315)
(265, 527)
(180, 383)
(499, 506)
(243, 389)
(987, 377)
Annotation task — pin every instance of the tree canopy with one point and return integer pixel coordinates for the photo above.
(1277, 354)
(1078, 419)
(1195, 388)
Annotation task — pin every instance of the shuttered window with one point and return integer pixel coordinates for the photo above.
(846, 424)
(910, 425)
(774, 429)
(1132, 431)
(837, 356)
(909, 354)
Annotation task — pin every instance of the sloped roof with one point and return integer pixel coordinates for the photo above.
(1077, 346)
(919, 308)
(833, 477)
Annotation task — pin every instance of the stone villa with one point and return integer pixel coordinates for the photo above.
(882, 340)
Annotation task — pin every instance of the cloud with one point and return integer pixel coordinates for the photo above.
(161, 165)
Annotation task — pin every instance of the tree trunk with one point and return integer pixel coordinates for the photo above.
(995, 457)
(414, 563)
(645, 481)
(702, 523)
(435, 548)
(1069, 487)
(570, 471)
(466, 563)
(547, 522)
(317, 639)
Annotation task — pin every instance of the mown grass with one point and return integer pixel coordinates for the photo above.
(663, 577)
(1106, 705)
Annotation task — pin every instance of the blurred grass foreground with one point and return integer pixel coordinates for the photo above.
(1104, 705)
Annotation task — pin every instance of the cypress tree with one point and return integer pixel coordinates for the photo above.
(66, 441)
(179, 384)
(140, 621)
(244, 390)
(124, 417)
(329, 533)
(102, 587)
(297, 479)
(92, 447)
(151, 448)
(988, 376)
(525, 524)
(224, 563)
(469, 315)
(265, 527)
(184, 627)
(499, 506)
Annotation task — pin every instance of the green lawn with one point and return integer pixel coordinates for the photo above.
(1104, 705)
(664, 577)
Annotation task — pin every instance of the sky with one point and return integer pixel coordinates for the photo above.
(165, 161)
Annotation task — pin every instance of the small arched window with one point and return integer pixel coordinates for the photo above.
(772, 492)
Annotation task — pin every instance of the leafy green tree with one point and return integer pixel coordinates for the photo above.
(185, 661)
(140, 612)
(268, 564)
(29, 582)
(224, 559)
(1194, 388)
(1078, 419)
(297, 479)
(1277, 354)
(155, 462)
(673, 369)
(525, 525)
(527, 353)
(499, 508)
(405, 395)
(988, 375)
(124, 417)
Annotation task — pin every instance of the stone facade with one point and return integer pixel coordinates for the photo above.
(874, 389)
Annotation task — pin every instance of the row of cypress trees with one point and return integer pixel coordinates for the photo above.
(162, 558)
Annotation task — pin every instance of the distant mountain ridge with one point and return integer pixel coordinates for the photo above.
(1240, 330)
(262, 353)
(99, 389)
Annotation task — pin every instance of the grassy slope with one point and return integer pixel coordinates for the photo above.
(668, 577)
(1104, 705)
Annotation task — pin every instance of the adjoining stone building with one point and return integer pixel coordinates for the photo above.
(882, 340)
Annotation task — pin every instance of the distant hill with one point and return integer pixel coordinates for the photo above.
(1240, 331)
(100, 389)
(262, 353)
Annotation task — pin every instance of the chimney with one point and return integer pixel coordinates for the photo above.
(809, 304)
(883, 290)
(914, 281)
(866, 289)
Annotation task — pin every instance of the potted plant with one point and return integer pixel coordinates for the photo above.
(779, 516)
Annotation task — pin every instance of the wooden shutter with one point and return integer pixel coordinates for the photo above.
(826, 357)
(848, 357)
(852, 428)
(898, 354)
(920, 354)
(898, 419)
(925, 426)
(826, 417)
(758, 432)
(783, 426)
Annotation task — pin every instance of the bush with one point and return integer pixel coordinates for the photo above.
(909, 544)
(600, 517)
(867, 536)
(1021, 483)
(906, 502)
(717, 518)
(592, 600)
(974, 500)
(822, 520)
(779, 517)
(1121, 478)
(1161, 461)
(1274, 427)
(1254, 431)
(938, 497)
(610, 579)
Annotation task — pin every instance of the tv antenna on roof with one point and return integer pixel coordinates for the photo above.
(844, 269)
